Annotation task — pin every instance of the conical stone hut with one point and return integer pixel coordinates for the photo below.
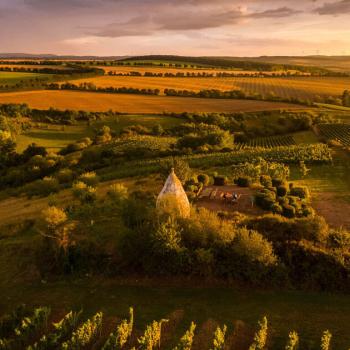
(172, 199)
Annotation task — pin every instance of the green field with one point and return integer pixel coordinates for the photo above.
(55, 137)
(12, 78)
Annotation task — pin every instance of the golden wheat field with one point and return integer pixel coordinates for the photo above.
(298, 87)
(126, 103)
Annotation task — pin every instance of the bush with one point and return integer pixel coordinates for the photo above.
(83, 192)
(265, 199)
(339, 238)
(276, 208)
(254, 246)
(282, 191)
(266, 180)
(44, 187)
(117, 192)
(204, 227)
(279, 229)
(220, 180)
(313, 266)
(54, 217)
(249, 256)
(89, 178)
(288, 211)
(243, 181)
(277, 182)
(65, 176)
(204, 179)
(301, 192)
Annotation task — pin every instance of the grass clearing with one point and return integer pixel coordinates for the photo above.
(305, 137)
(125, 103)
(330, 189)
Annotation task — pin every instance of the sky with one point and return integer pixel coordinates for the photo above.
(179, 27)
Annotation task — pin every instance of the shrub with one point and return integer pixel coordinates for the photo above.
(279, 229)
(89, 178)
(254, 246)
(204, 179)
(249, 256)
(243, 181)
(301, 192)
(288, 211)
(220, 180)
(313, 266)
(307, 210)
(339, 238)
(83, 192)
(266, 180)
(265, 199)
(65, 176)
(277, 182)
(276, 208)
(282, 191)
(204, 227)
(54, 217)
(117, 192)
(43, 187)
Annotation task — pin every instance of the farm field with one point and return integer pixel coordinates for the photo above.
(297, 87)
(308, 313)
(125, 103)
(336, 132)
(12, 78)
(55, 137)
(32, 66)
(334, 63)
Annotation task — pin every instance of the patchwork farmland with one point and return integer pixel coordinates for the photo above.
(306, 88)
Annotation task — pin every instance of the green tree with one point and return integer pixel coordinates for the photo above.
(346, 98)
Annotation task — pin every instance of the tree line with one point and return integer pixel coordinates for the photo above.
(111, 89)
(206, 74)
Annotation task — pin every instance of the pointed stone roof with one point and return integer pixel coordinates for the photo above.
(173, 199)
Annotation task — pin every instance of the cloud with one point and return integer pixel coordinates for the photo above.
(334, 8)
(276, 13)
(186, 18)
